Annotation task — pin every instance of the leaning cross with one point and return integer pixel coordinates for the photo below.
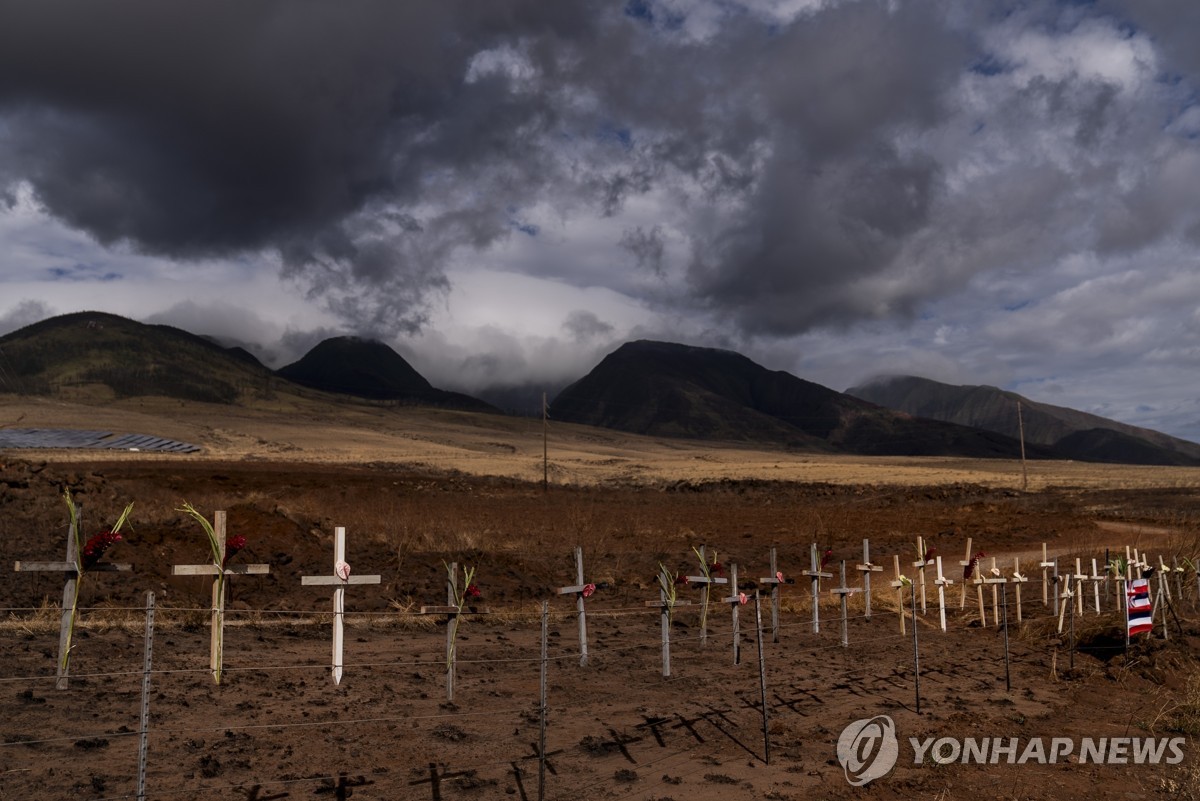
(580, 591)
(340, 579)
(965, 564)
(942, 582)
(842, 592)
(816, 575)
(216, 647)
(71, 568)
(866, 568)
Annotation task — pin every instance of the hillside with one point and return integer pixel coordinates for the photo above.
(1073, 434)
(666, 389)
(96, 354)
(369, 369)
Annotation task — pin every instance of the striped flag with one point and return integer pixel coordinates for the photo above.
(1141, 611)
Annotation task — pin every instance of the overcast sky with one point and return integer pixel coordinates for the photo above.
(1002, 193)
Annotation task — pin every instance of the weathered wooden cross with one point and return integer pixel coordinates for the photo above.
(736, 601)
(978, 582)
(1045, 565)
(340, 579)
(942, 582)
(72, 570)
(816, 575)
(453, 610)
(996, 579)
(1079, 577)
(218, 570)
(866, 568)
(898, 583)
(581, 591)
(1096, 578)
(775, 582)
(705, 583)
(842, 592)
(667, 603)
(922, 563)
(968, 567)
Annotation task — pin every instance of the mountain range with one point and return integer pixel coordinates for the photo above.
(654, 388)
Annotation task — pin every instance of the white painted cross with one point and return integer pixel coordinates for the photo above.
(1096, 578)
(922, 563)
(1065, 599)
(580, 590)
(866, 568)
(340, 579)
(898, 583)
(1165, 571)
(968, 567)
(1079, 577)
(1018, 580)
(995, 579)
(1045, 565)
(842, 592)
(704, 582)
(942, 582)
(218, 570)
(72, 569)
(978, 582)
(816, 575)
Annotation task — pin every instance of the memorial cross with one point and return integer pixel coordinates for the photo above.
(666, 603)
(842, 592)
(1096, 578)
(340, 579)
(705, 583)
(1018, 580)
(968, 566)
(942, 582)
(1045, 565)
(736, 601)
(72, 569)
(218, 569)
(816, 575)
(581, 591)
(866, 568)
(456, 602)
(898, 583)
(775, 582)
(923, 561)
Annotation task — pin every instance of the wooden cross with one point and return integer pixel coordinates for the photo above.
(216, 642)
(1096, 578)
(667, 606)
(996, 579)
(452, 611)
(72, 570)
(899, 585)
(704, 582)
(340, 579)
(921, 564)
(1164, 571)
(774, 582)
(1079, 578)
(735, 601)
(965, 564)
(842, 592)
(866, 568)
(435, 779)
(1064, 599)
(1018, 580)
(1178, 577)
(580, 590)
(816, 575)
(978, 582)
(1045, 565)
(942, 582)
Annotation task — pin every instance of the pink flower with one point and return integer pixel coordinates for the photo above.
(342, 570)
(779, 576)
(588, 589)
(742, 598)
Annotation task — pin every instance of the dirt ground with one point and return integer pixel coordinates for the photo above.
(277, 727)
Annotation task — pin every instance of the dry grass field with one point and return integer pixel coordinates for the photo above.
(416, 488)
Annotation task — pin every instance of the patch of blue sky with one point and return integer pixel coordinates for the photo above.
(612, 133)
(82, 272)
(1012, 307)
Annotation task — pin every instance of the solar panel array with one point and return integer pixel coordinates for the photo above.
(94, 440)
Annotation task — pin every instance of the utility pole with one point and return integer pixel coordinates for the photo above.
(1021, 432)
(545, 451)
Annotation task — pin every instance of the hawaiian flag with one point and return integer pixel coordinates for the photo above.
(1141, 611)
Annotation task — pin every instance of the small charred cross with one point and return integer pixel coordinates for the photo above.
(343, 788)
(435, 779)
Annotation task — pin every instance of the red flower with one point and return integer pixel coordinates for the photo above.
(717, 569)
(588, 589)
(682, 580)
(472, 592)
(826, 557)
(232, 546)
(96, 546)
